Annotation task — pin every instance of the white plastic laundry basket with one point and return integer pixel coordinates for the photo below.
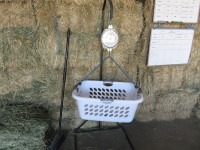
(107, 101)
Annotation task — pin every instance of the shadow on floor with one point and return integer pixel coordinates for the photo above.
(155, 135)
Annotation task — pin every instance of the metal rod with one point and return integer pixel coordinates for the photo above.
(75, 141)
(64, 80)
(75, 130)
(127, 137)
(99, 125)
(97, 129)
(101, 53)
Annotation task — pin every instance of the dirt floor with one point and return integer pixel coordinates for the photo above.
(171, 135)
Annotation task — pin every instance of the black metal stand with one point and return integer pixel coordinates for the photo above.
(99, 128)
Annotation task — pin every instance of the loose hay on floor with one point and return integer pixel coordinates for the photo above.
(22, 127)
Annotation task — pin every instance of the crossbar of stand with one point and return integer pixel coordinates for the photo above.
(78, 130)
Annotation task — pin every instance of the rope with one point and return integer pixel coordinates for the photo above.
(58, 35)
(86, 77)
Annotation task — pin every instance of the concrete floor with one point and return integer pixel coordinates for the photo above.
(172, 135)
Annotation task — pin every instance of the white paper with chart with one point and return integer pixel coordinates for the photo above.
(181, 11)
(170, 46)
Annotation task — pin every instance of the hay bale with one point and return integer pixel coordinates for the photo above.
(176, 101)
(22, 127)
(183, 114)
(17, 47)
(32, 71)
(163, 116)
(82, 19)
(16, 14)
(198, 114)
(161, 78)
(144, 117)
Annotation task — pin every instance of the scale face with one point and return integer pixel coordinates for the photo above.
(109, 38)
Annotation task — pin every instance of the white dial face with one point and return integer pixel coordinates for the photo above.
(109, 38)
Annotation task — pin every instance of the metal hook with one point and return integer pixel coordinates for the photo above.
(110, 9)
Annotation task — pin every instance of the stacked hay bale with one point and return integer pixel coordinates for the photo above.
(31, 70)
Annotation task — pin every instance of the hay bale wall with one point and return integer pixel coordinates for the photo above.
(31, 71)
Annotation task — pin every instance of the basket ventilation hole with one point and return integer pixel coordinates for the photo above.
(106, 115)
(122, 108)
(111, 111)
(121, 112)
(127, 108)
(101, 114)
(86, 105)
(91, 89)
(126, 112)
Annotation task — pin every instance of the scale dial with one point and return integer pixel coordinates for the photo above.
(109, 38)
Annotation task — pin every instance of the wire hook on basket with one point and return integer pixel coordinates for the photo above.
(109, 57)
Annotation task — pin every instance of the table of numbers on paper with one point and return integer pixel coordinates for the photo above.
(170, 46)
(181, 11)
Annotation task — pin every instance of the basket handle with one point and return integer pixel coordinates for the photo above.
(107, 83)
(86, 77)
(107, 101)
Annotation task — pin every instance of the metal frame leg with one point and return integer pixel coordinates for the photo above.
(127, 137)
(78, 130)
